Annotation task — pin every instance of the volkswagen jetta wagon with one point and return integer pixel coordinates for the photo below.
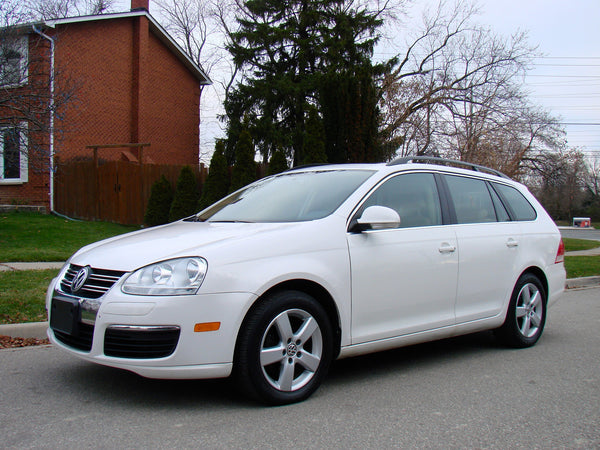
(277, 280)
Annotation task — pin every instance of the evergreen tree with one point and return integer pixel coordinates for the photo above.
(216, 185)
(186, 196)
(159, 203)
(278, 163)
(283, 48)
(314, 142)
(351, 115)
(244, 168)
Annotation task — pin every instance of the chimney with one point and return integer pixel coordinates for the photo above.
(140, 5)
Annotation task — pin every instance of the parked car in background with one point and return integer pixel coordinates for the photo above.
(277, 280)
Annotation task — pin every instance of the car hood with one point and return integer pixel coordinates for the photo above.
(134, 250)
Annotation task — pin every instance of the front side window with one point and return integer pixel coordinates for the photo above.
(13, 157)
(413, 196)
(472, 200)
(13, 61)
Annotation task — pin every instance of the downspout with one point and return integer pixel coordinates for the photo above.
(51, 183)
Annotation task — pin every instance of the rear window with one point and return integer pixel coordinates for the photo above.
(516, 202)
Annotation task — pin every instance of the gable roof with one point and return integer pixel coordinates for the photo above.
(155, 28)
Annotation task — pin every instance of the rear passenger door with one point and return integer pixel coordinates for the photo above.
(488, 248)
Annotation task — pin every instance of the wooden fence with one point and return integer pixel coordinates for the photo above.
(112, 191)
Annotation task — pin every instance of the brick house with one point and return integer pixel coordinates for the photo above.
(130, 83)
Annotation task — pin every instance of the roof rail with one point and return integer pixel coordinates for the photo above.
(445, 162)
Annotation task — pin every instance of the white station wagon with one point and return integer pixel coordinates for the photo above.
(274, 282)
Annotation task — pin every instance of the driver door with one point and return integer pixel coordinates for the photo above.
(403, 279)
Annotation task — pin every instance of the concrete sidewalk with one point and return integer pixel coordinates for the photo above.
(12, 266)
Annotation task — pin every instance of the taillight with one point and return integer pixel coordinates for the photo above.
(560, 255)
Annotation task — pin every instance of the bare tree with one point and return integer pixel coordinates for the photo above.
(456, 91)
(58, 9)
(31, 95)
(558, 179)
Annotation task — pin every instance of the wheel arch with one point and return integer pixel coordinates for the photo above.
(315, 290)
(540, 275)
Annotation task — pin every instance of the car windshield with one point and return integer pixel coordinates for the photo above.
(288, 197)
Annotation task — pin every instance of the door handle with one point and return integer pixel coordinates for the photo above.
(512, 243)
(447, 248)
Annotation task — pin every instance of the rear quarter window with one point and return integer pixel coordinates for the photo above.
(519, 206)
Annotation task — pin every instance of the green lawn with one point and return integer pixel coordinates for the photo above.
(582, 266)
(22, 295)
(579, 244)
(39, 237)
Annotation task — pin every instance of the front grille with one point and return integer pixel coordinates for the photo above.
(97, 284)
(81, 340)
(140, 342)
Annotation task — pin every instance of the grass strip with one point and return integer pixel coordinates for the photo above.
(39, 237)
(23, 294)
(572, 245)
(582, 266)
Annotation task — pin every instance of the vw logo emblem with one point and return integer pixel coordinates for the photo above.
(80, 279)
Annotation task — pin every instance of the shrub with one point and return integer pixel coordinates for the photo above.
(159, 204)
(244, 168)
(186, 196)
(278, 163)
(216, 185)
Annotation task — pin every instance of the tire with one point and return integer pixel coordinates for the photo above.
(284, 349)
(526, 315)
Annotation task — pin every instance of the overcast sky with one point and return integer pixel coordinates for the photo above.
(565, 81)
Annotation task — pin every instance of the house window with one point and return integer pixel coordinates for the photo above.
(13, 156)
(13, 61)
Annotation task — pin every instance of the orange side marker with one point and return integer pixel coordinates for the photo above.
(207, 326)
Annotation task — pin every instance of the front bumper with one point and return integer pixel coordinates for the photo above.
(207, 354)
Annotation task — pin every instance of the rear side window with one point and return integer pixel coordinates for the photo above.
(516, 202)
(472, 200)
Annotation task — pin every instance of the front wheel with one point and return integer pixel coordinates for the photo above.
(284, 349)
(526, 313)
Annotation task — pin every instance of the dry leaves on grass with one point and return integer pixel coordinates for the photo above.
(12, 342)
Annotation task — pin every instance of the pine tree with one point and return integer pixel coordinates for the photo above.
(216, 185)
(278, 163)
(283, 48)
(314, 142)
(159, 203)
(244, 168)
(185, 200)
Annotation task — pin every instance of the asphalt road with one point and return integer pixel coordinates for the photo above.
(581, 233)
(466, 392)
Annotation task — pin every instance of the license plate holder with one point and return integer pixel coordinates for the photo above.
(65, 315)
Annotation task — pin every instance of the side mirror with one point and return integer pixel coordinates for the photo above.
(378, 218)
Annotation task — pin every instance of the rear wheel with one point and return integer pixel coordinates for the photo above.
(284, 349)
(526, 315)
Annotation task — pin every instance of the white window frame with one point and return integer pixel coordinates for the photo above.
(21, 46)
(24, 161)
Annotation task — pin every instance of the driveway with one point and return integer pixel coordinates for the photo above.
(457, 393)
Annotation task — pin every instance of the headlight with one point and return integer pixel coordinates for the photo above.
(181, 276)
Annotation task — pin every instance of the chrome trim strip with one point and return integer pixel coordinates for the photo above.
(145, 327)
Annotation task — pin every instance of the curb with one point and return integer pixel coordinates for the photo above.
(37, 330)
(14, 266)
(584, 282)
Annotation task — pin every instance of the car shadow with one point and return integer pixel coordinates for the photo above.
(116, 386)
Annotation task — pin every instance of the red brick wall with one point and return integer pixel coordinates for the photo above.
(169, 108)
(101, 57)
(36, 190)
(96, 58)
(115, 101)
